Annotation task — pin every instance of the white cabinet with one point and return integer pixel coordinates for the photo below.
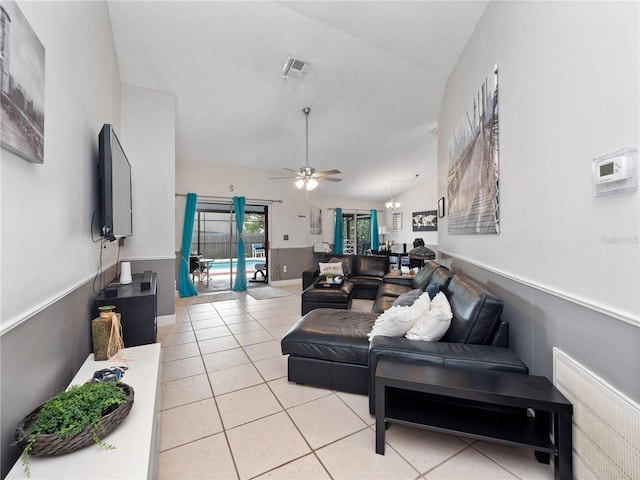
(136, 438)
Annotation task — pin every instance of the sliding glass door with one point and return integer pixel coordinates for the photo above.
(215, 242)
(356, 228)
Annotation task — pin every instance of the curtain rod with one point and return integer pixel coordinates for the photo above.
(357, 209)
(206, 197)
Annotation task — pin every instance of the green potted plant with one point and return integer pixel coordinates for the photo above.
(73, 419)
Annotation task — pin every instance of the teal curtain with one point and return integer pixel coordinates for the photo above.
(337, 232)
(375, 239)
(241, 269)
(185, 285)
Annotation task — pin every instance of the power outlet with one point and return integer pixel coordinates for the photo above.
(284, 269)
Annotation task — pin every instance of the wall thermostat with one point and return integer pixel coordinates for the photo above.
(613, 169)
(615, 173)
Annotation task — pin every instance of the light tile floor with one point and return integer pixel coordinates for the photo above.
(228, 411)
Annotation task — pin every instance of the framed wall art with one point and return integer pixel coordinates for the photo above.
(441, 207)
(472, 188)
(426, 221)
(397, 221)
(21, 85)
(315, 222)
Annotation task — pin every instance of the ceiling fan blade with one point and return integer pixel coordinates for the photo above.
(278, 178)
(329, 179)
(292, 170)
(328, 172)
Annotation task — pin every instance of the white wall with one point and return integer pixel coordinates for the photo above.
(568, 92)
(148, 138)
(47, 248)
(290, 217)
(421, 196)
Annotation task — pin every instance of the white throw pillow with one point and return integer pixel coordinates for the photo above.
(432, 326)
(334, 268)
(396, 321)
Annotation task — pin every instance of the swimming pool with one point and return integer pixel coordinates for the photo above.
(221, 266)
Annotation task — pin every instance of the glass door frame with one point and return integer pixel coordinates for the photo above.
(350, 229)
(226, 209)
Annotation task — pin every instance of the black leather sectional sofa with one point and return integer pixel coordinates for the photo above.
(330, 347)
(365, 272)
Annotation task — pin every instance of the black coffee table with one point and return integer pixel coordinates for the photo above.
(481, 404)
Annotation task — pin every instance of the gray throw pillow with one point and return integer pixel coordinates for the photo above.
(407, 299)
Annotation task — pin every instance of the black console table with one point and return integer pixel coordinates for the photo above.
(138, 309)
(481, 404)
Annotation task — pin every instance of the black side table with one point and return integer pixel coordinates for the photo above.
(481, 404)
(138, 307)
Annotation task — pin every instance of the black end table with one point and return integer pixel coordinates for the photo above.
(481, 404)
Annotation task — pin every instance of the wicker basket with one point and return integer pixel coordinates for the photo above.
(55, 445)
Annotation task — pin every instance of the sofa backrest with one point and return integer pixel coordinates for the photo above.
(476, 312)
(347, 262)
(370, 265)
(441, 277)
(432, 272)
(423, 277)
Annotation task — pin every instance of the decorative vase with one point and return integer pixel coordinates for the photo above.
(102, 330)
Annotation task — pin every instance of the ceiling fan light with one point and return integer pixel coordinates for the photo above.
(300, 183)
(312, 183)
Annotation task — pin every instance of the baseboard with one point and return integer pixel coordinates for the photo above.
(166, 320)
(282, 283)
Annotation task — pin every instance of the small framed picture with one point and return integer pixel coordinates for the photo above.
(441, 207)
(397, 221)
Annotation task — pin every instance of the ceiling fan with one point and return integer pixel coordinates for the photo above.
(307, 176)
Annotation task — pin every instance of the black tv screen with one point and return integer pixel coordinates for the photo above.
(114, 175)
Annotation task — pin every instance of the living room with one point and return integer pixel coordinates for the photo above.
(565, 263)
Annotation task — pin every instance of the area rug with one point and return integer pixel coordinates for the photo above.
(206, 298)
(263, 293)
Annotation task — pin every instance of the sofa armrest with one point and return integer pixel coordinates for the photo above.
(454, 355)
(309, 276)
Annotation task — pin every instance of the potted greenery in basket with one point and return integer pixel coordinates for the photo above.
(73, 419)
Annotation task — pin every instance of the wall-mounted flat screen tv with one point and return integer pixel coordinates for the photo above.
(114, 176)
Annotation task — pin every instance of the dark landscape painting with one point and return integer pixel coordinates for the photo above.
(472, 191)
(21, 85)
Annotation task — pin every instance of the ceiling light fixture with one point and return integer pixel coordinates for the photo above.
(307, 176)
(391, 204)
(309, 180)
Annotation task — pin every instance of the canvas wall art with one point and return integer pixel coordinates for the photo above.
(315, 220)
(21, 85)
(396, 223)
(426, 221)
(472, 190)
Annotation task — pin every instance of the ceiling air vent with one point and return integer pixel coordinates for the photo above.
(294, 68)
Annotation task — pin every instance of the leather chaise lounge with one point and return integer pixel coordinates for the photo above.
(330, 348)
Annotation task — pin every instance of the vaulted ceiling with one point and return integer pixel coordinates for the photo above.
(376, 74)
